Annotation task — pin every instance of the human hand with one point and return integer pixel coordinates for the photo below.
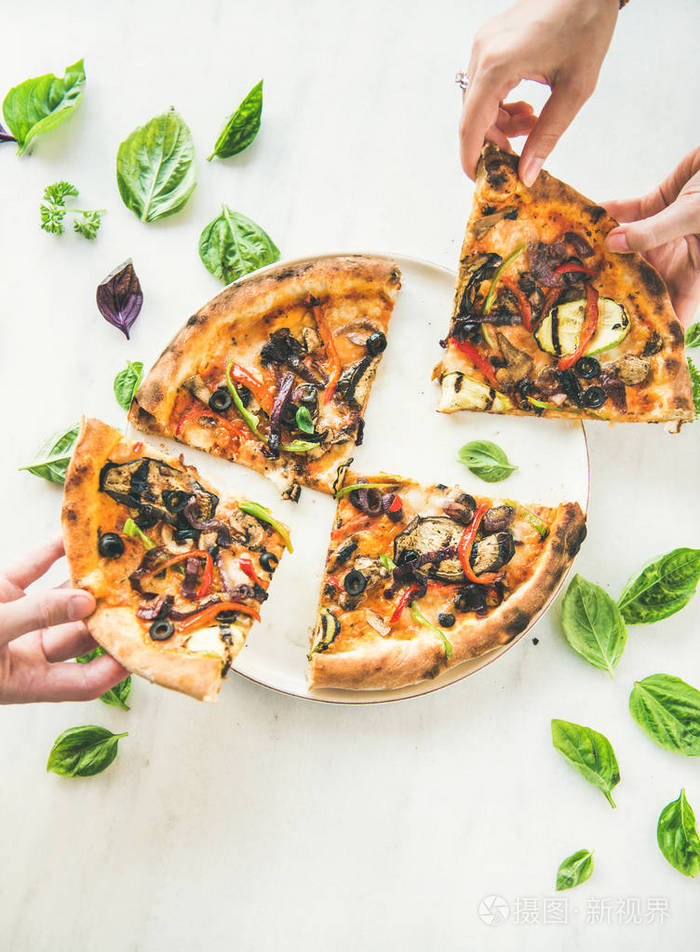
(665, 227)
(560, 43)
(40, 632)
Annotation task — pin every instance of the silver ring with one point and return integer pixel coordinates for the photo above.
(462, 80)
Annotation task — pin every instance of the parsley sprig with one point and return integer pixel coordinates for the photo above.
(54, 210)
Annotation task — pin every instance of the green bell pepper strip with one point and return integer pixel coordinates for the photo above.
(131, 529)
(499, 270)
(348, 489)
(533, 519)
(387, 562)
(264, 515)
(418, 616)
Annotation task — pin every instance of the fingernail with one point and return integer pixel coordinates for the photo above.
(617, 241)
(531, 170)
(80, 605)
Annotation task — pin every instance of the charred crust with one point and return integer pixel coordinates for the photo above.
(671, 366)
(651, 280)
(517, 623)
(675, 331)
(575, 538)
(595, 212)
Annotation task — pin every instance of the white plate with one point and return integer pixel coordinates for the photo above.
(403, 434)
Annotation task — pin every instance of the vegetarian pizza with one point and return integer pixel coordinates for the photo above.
(179, 572)
(275, 372)
(547, 322)
(421, 578)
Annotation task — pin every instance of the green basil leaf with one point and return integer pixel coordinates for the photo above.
(155, 167)
(126, 383)
(51, 461)
(692, 335)
(590, 753)
(387, 562)
(232, 245)
(119, 694)
(575, 869)
(83, 751)
(40, 104)
(695, 383)
(486, 460)
(668, 710)
(593, 625)
(678, 838)
(304, 420)
(662, 588)
(242, 127)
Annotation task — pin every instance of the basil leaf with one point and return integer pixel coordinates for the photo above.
(40, 104)
(692, 335)
(695, 382)
(593, 625)
(387, 562)
(590, 753)
(119, 694)
(155, 167)
(678, 838)
(232, 245)
(575, 869)
(83, 751)
(51, 461)
(120, 298)
(126, 383)
(242, 127)
(662, 588)
(668, 710)
(486, 460)
(304, 420)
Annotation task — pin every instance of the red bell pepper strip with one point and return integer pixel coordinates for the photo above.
(396, 503)
(329, 346)
(479, 361)
(588, 329)
(573, 266)
(352, 525)
(247, 567)
(235, 430)
(404, 599)
(137, 447)
(207, 578)
(333, 582)
(207, 574)
(523, 303)
(260, 390)
(211, 611)
(466, 544)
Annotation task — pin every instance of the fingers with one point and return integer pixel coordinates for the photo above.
(53, 607)
(626, 209)
(515, 119)
(556, 116)
(479, 115)
(68, 681)
(32, 566)
(67, 641)
(678, 220)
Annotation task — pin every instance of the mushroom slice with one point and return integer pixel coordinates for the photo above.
(519, 363)
(483, 225)
(428, 534)
(633, 370)
(197, 387)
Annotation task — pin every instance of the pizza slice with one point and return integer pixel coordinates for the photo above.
(179, 572)
(547, 322)
(420, 578)
(275, 372)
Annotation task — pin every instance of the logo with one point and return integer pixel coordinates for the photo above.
(494, 910)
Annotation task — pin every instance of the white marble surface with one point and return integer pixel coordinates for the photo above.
(266, 822)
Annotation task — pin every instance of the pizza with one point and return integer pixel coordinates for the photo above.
(546, 322)
(418, 579)
(276, 371)
(179, 572)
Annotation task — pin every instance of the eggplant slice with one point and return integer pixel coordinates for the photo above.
(146, 482)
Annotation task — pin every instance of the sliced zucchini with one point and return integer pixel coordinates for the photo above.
(559, 332)
(460, 392)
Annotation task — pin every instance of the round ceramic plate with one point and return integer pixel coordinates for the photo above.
(403, 434)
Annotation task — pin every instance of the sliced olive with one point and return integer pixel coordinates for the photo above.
(111, 545)
(594, 397)
(147, 518)
(220, 400)
(587, 367)
(472, 598)
(162, 630)
(175, 500)
(446, 619)
(355, 582)
(268, 561)
(408, 555)
(375, 344)
(182, 535)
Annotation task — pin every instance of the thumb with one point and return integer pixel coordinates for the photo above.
(555, 118)
(676, 221)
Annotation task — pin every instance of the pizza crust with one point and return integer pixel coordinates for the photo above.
(386, 663)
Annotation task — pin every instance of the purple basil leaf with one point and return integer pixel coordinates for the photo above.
(6, 136)
(119, 297)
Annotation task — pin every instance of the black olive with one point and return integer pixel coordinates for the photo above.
(226, 617)
(162, 630)
(182, 535)
(244, 394)
(594, 397)
(355, 582)
(147, 518)
(345, 551)
(472, 598)
(110, 545)
(408, 555)
(268, 561)
(307, 395)
(375, 344)
(175, 500)
(220, 400)
(446, 619)
(587, 367)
